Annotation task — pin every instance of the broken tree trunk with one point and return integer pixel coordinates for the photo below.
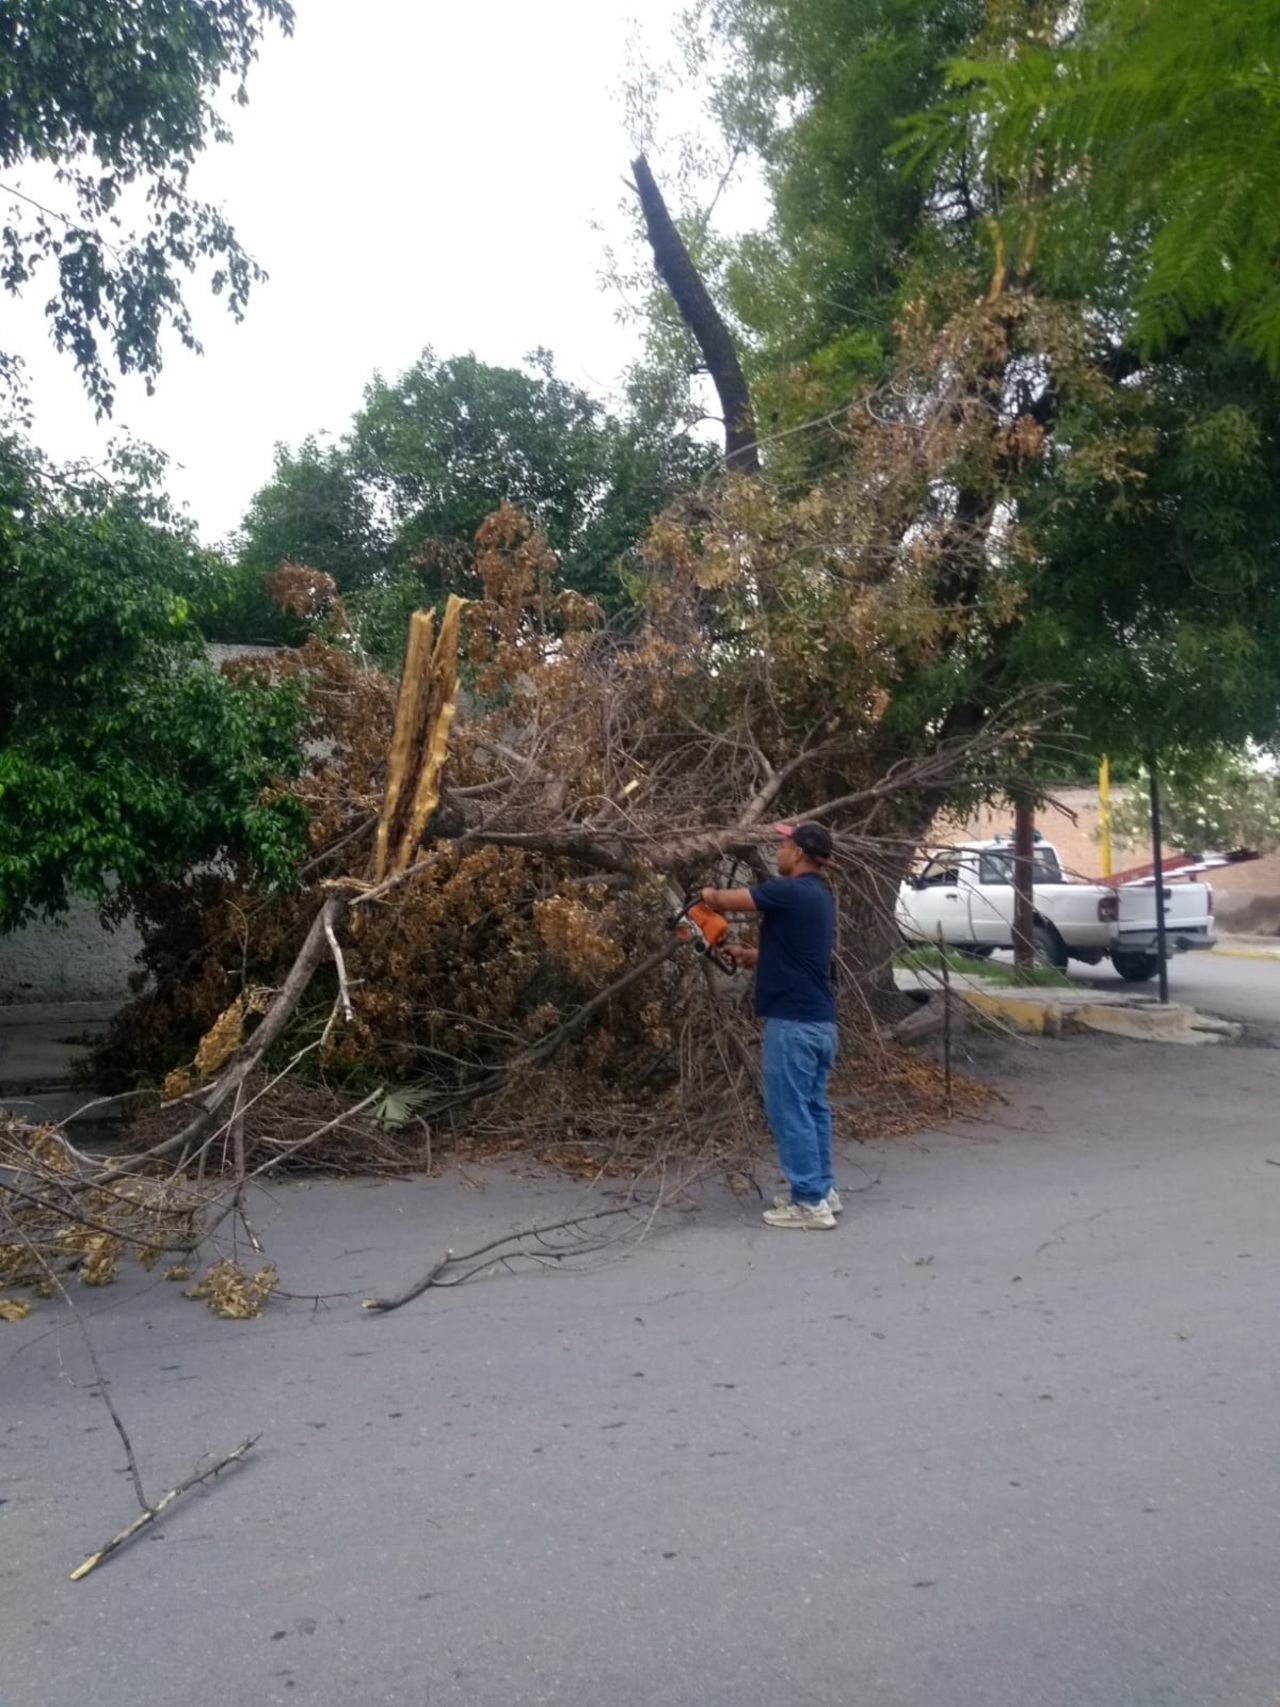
(704, 320)
(420, 741)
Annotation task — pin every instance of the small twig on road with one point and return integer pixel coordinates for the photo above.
(100, 1378)
(152, 1512)
(438, 1276)
(149, 1512)
(104, 1393)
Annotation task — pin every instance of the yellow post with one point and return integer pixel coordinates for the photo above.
(1104, 813)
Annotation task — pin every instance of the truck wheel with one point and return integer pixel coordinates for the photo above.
(1135, 968)
(1050, 948)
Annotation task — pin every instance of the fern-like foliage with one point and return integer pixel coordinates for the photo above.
(1145, 136)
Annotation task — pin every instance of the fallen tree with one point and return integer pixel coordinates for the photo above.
(478, 952)
(513, 962)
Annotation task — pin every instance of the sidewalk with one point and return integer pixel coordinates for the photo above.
(40, 1043)
(1248, 947)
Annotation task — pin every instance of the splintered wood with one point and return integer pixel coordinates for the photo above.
(420, 740)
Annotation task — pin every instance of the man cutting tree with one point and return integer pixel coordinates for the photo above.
(795, 1000)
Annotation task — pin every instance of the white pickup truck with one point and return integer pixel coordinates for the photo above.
(965, 894)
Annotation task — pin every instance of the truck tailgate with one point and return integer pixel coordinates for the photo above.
(1186, 907)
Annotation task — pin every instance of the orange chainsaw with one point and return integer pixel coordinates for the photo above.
(705, 929)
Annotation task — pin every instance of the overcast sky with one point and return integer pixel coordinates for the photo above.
(409, 174)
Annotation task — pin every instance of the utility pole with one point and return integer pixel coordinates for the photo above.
(1157, 862)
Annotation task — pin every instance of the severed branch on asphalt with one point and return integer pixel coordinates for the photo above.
(532, 1244)
(152, 1512)
(149, 1512)
(104, 1393)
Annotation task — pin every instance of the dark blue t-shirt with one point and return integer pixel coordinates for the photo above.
(797, 933)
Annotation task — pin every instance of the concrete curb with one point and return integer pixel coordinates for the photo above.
(1041, 1019)
(1149, 1023)
(1174, 1024)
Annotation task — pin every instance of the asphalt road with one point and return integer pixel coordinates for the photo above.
(1233, 986)
(1005, 1438)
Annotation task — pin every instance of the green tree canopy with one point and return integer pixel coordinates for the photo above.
(390, 512)
(1101, 521)
(1143, 137)
(315, 510)
(452, 439)
(118, 96)
(124, 753)
(819, 90)
(1223, 801)
(1154, 594)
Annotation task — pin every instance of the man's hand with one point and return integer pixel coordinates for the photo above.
(740, 954)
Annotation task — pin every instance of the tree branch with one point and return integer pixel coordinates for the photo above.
(704, 320)
(152, 1512)
(437, 1274)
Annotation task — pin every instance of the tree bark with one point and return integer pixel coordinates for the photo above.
(1024, 854)
(869, 938)
(704, 320)
(214, 1099)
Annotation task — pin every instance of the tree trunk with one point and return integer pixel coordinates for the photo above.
(869, 939)
(702, 317)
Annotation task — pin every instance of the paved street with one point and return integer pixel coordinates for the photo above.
(1234, 986)
(1005, 1438)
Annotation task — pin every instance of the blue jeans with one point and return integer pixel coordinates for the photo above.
(798, 1057)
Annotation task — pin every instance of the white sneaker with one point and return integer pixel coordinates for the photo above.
(832, 1201)
(809, 1217)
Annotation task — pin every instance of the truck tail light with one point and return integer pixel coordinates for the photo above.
(1108, 909)
(1209, 892)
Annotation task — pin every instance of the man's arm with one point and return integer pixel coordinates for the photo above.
(728, 900)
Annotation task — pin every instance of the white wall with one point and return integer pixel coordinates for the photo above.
(73, 961)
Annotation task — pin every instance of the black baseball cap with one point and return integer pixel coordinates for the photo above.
(813, 840)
